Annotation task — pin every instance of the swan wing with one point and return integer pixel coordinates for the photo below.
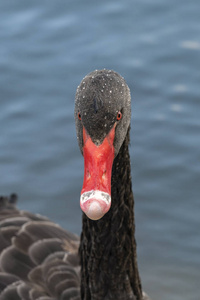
(38, 259)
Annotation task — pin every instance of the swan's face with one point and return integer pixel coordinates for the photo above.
(102, 114)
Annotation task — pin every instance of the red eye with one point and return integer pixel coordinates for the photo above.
(119, 115)
(79, 116)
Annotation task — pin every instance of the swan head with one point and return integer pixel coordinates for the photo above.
(102, 115)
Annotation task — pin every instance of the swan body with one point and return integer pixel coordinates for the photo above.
(41, 261)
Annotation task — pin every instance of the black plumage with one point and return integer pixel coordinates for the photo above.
(39, 259)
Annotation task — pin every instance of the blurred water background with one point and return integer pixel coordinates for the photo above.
(46, 47)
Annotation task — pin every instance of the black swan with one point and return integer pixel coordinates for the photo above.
(41, 261)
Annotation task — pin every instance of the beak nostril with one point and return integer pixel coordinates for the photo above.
(104, 175)
(88, 175)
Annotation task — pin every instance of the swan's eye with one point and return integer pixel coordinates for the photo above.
(79, 116)
(119, 115)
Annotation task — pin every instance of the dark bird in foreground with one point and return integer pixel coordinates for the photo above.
(41, 261)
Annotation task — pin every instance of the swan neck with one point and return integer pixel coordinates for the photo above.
(108, 247)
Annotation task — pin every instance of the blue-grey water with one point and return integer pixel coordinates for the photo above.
(46, 47)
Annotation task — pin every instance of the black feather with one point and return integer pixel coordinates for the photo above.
(39, 250)
(6, 279)
(10, 292)
(15, 262)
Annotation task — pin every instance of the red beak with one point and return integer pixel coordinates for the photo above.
(95, 198)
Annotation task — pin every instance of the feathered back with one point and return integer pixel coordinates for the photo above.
(38, 259)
